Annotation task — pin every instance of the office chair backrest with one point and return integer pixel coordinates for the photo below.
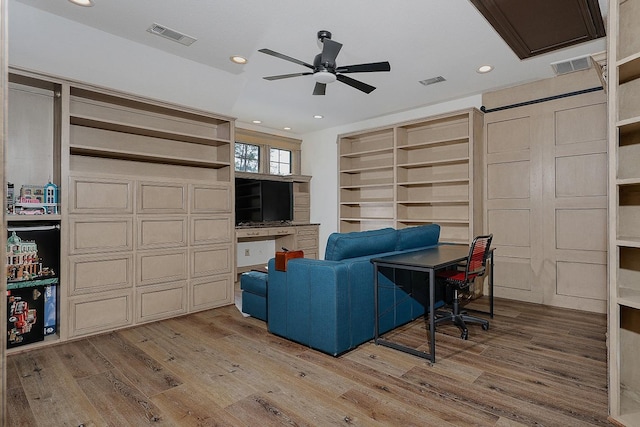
(478, 254)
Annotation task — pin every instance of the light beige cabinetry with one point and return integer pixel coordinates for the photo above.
(146, 206)
(414, 173)
(624, 211)
(150, 211)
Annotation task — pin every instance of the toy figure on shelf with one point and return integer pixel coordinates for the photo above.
(37, 200)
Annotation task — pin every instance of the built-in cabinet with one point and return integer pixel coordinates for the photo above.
(146, 206)
(624, 211)
(414, 173)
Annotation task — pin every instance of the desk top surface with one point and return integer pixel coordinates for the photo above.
(433, 258)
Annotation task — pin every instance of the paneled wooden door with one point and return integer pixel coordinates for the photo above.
(546, 199)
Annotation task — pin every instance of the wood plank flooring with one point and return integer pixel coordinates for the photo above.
(535, 366)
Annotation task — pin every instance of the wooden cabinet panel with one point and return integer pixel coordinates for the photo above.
(207, 261)
(210, 198)
(92, 314)
(161, 231)
(210, 293)
(100, 196)
(211, 229)
(161, 198)
(93, 273)
(91, 234)
(161, 266)
(161, 301)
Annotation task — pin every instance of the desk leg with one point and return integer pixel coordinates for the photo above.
(376, 326)
(432, 316)
(491, 286)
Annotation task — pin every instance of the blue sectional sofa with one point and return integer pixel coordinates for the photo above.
(328, 304)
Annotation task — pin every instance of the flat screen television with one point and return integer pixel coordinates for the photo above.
(263, 201)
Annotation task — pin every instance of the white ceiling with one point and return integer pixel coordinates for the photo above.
(420, 38)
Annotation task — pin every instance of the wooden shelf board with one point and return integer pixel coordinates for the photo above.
(628, 241)
(144, 157)
(458, 160)
(629, 68)
(433, 202)
(365, 219)
(368, 203)
(629, 298)
(434, 181)
(358, 187)
(367, 169)
(628, 181)
(24, 218)
(368, 153)
(630, 125)
(435, 221)
(145, 131)
(448, 141)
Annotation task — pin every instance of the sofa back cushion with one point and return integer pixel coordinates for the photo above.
(418, 237)
(360, 243)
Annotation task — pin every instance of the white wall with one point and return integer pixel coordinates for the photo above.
(320, 160)
(46, 43)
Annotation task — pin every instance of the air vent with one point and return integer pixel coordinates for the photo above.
(571, 65)
(168, 33)
(432, 80)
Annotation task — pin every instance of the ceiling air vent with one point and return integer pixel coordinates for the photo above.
(432, 80)
(168, 33)
(571, 65)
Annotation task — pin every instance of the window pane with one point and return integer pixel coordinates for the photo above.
(280, 162)
(247, 157)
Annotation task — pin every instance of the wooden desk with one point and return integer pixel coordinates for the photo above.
(429, 261)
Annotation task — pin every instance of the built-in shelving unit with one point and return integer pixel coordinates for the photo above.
(624, 211)
(414, 173)
(146, 206)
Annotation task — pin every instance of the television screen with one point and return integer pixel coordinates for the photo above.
(263, 201)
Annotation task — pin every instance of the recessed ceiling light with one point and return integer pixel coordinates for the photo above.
(286, 128)
(85, 3)
(257, 121)
(484, 69)
(318, 116)
(237, 59)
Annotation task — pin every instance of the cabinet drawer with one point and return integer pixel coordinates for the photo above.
(88, 235)
(161, 266)
(90, 274)
(210, 229)
(161, 232)
(161, 197)
(281, 231)
(210, 292)
(210, 260)
(251, 232)
(161, 301)
(311, 230)
(100, 196)
(210, 198)
(307, 243)
(92, 314)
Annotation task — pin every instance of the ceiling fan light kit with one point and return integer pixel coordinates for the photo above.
(325, 69)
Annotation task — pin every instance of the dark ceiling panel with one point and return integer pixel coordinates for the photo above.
(534, 27)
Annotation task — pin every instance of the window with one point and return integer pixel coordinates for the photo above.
(247, 157)
(280, 162)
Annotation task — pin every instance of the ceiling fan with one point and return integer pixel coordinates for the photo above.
(325, 69)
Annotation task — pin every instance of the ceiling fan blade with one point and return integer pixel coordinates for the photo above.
(365, 68)
(320, 89)
(285, 57)
(356, 84)
(286, 76)
(330, 50)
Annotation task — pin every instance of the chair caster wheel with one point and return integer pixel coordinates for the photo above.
(485, 327)
(464, 335)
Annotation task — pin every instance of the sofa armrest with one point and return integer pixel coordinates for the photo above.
(312, 302)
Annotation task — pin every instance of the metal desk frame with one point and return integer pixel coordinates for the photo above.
(429, 261)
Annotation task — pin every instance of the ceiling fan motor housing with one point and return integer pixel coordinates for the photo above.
(324, 34)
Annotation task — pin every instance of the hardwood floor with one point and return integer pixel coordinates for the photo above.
(536, 365)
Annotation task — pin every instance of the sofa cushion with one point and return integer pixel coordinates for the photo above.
(360, 243)
(417, 237)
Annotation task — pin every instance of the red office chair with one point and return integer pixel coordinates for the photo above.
(460, 279)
